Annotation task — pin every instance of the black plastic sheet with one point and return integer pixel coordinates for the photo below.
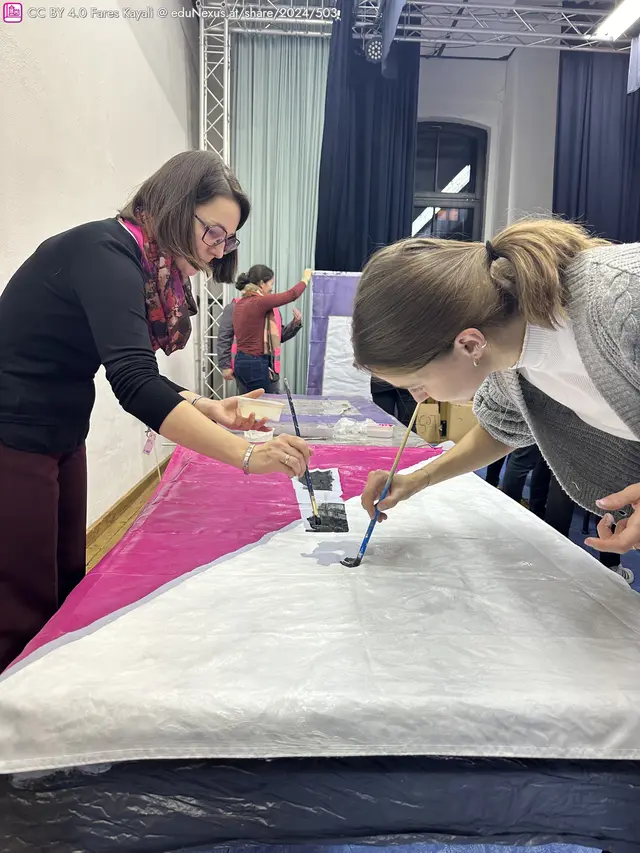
(179, 806)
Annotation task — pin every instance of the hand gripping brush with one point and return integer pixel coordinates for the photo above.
(352, 562)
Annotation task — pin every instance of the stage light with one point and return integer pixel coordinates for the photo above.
(619, 21)
(373, 49)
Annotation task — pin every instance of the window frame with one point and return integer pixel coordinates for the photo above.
(470, 201)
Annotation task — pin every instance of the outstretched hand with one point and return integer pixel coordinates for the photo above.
(625, 535)
(227, 413)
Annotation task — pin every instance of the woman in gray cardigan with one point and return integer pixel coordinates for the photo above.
(542, 325)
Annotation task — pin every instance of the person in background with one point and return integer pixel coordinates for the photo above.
(520, 463)
(396, 402)
(227, 346)
(559, 513)
(109, 293)
(542, 325)
(493, 473)
(256, 329)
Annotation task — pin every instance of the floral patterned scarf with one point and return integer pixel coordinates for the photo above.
(169, 300)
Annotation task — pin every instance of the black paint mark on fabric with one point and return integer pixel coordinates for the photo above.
(322, 481)
(333, 519)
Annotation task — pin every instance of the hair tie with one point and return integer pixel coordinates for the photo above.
(493, 255)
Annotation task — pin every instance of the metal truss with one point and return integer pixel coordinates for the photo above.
(458, 24)
(215, 91)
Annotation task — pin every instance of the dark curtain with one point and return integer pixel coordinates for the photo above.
(365, 197)
(391, 12)
(597, 168)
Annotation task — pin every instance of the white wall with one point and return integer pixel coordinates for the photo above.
(469, 91)
(529, 134)
(515, 101)
(90, 108)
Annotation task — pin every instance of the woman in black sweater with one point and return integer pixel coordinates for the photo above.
(108, 293)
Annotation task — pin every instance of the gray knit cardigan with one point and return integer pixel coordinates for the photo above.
(604, 313)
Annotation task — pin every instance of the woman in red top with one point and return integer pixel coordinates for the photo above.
(254, 326)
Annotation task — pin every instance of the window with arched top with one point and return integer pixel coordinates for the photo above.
(449, 186)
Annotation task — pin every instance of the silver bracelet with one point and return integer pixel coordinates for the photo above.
(197, 399)
(247, 459)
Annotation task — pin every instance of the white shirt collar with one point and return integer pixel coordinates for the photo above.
(535, 348)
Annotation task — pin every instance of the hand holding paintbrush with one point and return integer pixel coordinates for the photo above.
(352, 562)
(316, 522)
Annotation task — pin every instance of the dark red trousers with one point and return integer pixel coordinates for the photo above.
(43, 511)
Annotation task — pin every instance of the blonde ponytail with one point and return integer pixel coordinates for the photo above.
(532, 256)
(416, 296)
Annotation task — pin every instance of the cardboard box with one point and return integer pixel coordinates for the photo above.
(428, 422)
(460, 420)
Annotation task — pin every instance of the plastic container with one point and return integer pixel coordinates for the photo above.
(256, 436)
(269, 409)
(380, 431)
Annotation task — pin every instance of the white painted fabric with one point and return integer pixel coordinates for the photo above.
(469, 629)
(341, 378)
(550, 360)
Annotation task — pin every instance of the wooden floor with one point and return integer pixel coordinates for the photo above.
(116, 530)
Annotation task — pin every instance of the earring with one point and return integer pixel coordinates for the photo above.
(476, 359)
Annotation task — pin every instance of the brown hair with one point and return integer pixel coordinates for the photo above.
(416, 296)
(258, 273)
(169, 199)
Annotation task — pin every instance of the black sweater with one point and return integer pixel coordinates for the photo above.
(76, 303)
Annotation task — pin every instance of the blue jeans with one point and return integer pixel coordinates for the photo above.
(252, 371)
(519, 463)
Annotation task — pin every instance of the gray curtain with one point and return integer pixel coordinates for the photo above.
(277, 117)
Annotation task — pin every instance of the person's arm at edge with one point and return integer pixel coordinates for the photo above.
(109, 288)
(186, 426)
(276, 300)
(290, 331)
(225, 337)
(476, 450)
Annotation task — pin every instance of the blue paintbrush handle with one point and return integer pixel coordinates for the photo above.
(293, 416)
(373, 521)
(292, 408)
(385, 491)
(387, 486)
(307, 477)
(367, 536)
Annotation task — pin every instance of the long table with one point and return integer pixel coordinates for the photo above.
(137, 719)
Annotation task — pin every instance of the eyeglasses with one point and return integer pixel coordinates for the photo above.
(214, 235)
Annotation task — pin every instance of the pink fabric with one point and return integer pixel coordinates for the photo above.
(201, 511)
(136, 231)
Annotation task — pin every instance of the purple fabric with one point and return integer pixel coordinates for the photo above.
(366, 409)
(333, 294)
